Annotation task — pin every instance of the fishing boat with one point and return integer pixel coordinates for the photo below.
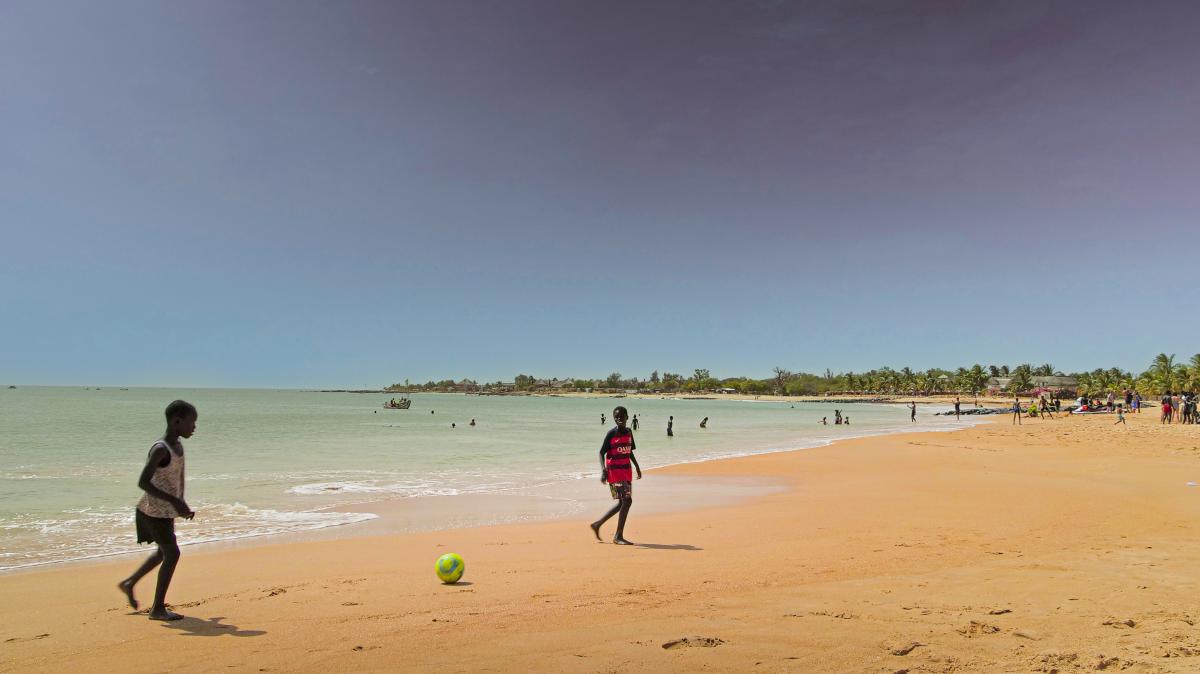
(401, 404)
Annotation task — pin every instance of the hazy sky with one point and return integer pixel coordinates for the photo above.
(349, 194)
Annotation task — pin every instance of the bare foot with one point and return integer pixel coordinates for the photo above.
(165, 615)
(621, 541)
(595, 529)
(126, 588)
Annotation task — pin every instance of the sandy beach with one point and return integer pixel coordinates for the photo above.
(1059, 545)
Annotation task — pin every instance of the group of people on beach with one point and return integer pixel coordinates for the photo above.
(1040, 407)
(1178, 408)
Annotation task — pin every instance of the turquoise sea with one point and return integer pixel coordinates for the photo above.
(266, 462)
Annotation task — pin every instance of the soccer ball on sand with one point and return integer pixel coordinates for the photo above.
(450, 567)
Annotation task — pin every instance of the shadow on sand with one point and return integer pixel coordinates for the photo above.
(667, 546)
(213, 627)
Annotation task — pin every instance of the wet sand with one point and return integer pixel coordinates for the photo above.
(1059, 545)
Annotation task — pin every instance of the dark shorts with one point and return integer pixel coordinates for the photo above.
(620, 490)
(159, 530)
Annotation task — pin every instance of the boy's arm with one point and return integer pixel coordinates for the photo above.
(156, 458)
(603, 451)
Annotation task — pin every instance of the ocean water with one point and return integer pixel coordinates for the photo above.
(266, 462)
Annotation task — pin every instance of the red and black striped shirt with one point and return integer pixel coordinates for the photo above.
(617, 447)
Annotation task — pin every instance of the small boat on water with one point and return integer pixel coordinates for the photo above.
(394, 404)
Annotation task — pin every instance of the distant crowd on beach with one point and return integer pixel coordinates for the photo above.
(1178, 408)
(1175, 407)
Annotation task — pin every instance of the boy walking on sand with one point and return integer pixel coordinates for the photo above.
(616, 455)
(1120, 415)
(162, 480)
(1016, 410)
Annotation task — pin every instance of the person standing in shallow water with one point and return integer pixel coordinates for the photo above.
(634, 424)
(670, 426)
(616, 458)
(162, 480)
(913, 408)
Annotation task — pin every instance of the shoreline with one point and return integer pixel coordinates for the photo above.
(1058, 544)
(412, 510)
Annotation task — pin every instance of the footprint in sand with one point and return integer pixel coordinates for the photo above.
(905, 650)
(976, 628)
(1056, 662)
(1112, 663)
(694, 642)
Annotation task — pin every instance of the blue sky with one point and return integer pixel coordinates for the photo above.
(311, 194)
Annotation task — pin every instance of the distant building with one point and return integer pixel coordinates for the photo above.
(997, 385)
(1056, 384)
(1052, 384)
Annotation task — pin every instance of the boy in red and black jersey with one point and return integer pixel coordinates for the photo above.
(616, 460)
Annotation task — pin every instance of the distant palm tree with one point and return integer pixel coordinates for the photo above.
(1044, 370)
(1193, 375)
(978, 378)
(1022, 381)
(961, 379)
(1162, 372)
(1085, 386)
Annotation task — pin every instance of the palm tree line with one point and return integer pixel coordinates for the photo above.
(1163, 374)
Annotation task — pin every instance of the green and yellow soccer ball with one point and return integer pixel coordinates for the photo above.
(450, 567)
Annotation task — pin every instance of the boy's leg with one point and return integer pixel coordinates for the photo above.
(619, 539)
(607, 516)
(170, 557)
(147, 566)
